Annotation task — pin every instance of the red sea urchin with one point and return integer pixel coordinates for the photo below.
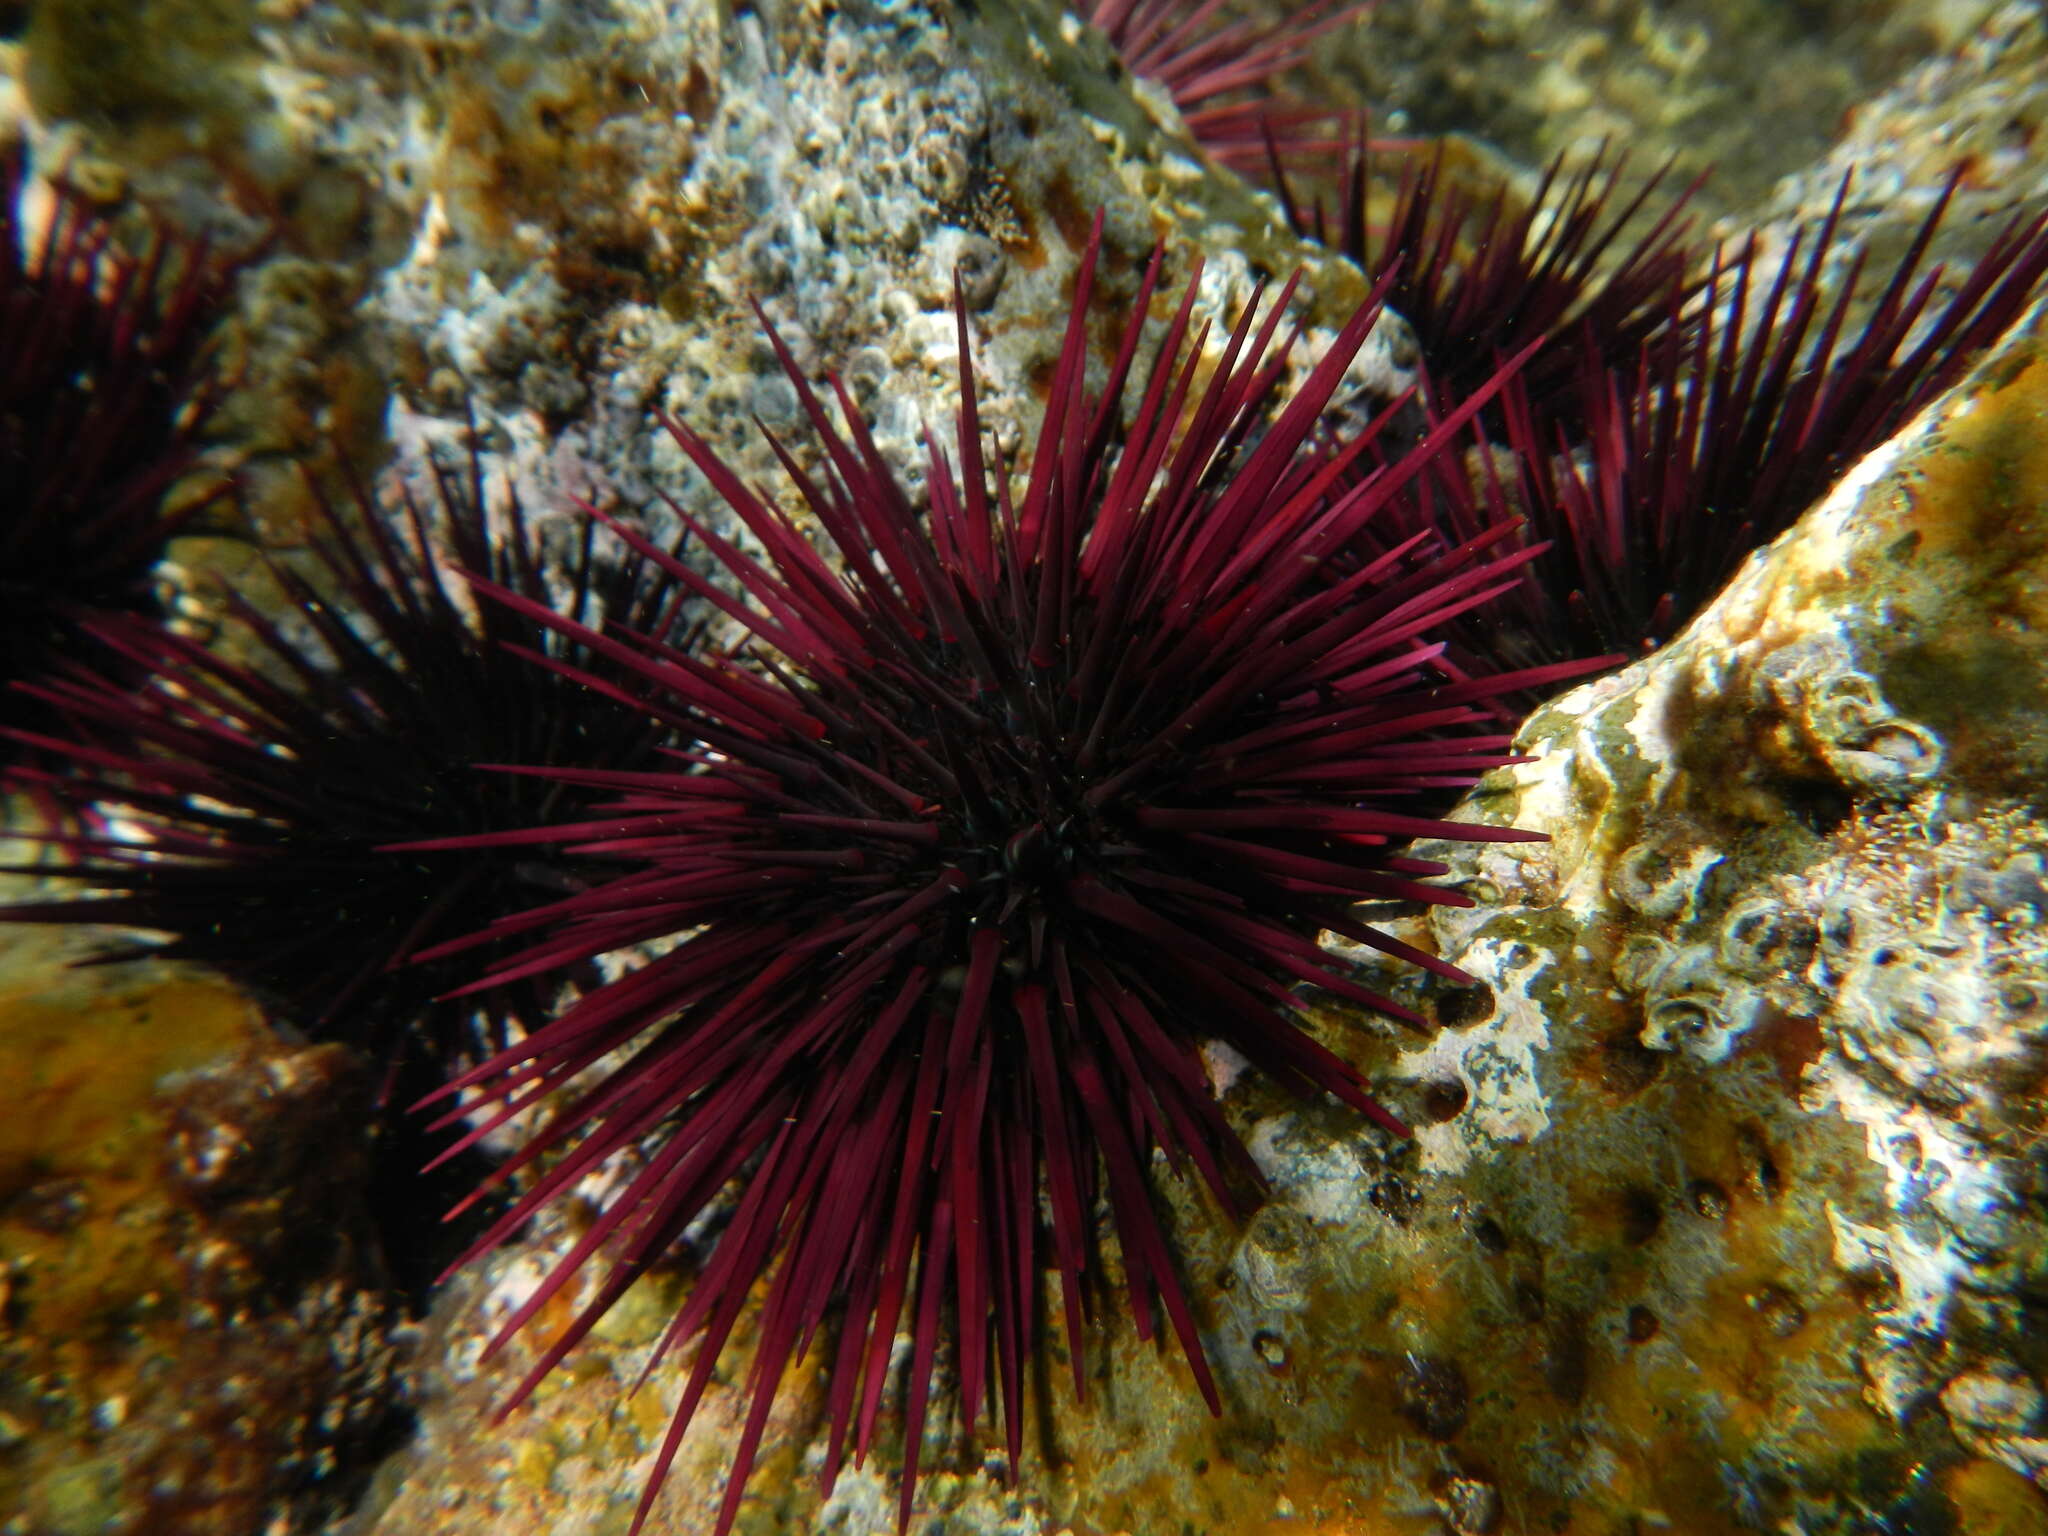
(1480, 277)
(1219, 69)
(1685, 406)
(1025, 800)
(1709, 437)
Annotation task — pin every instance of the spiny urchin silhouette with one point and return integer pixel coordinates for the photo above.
(255, 799)
(1480, 274)
(1736, 417)
(104, 388)
(1022, 800)
(1662, 470)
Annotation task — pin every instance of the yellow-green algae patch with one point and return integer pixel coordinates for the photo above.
(187, 1347)
(1973, 549)
(185, 69)
(85, 1127)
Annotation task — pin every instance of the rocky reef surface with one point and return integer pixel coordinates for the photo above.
(1728, 1206)
(196, 1327)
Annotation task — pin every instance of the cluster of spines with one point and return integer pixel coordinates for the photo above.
(1035, 797)
(1220, 68)
(1683, 405)
(1479, 274)
(259, 797)
(104, 391)
(1713, 434)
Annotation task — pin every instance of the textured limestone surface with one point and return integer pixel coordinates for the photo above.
(1980, 108)
(1726, 1206)
(568, 212)
(1769, 1009)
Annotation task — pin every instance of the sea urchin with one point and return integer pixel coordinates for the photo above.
(1686, 404)
(104, 386)
(1220, 67)
(1023, 800)
(257, 796)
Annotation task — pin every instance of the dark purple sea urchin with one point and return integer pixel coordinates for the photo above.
(1708, 438)
(1022, 800)
(1480, 274)
(103, 389)
(257, 799)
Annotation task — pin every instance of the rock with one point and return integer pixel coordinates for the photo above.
(1794, 863)
(1692, 79)
(1981, 105)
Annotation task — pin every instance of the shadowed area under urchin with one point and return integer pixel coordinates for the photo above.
(1011, 806)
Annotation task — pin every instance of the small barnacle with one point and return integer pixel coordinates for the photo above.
(772, 402)
(1839, 720)
(942, 169)
(1996, 1400)
(2022, 997)
(1472, 1506)
(868, 371)
(972, 193)
(1444, 1099)
(1277, 1258)
(1765, 937)
(1464, 1007)
(1693, 1005)
(981, 267)
(1660, 881)
(1778, 1310)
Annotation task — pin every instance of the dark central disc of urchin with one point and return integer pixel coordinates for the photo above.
(1011, 808)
